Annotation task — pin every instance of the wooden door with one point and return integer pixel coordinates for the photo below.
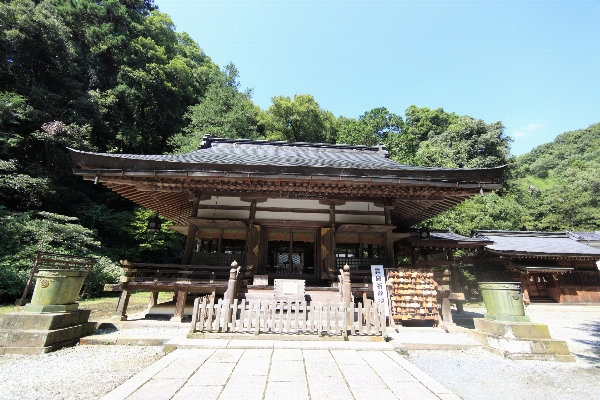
(537, 285)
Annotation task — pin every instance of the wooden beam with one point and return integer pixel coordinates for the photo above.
(332, 202)
(217, 223)
(389, 244)
(364, 228)
(270, 223)
(433, 263)
(190, 241)
(455, 284)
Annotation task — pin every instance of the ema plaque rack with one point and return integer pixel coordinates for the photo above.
(413, 295)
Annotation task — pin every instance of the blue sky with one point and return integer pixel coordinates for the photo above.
(534, 65)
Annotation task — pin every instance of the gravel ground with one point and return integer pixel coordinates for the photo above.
(80, 372)
(477, 374)
(87, 372)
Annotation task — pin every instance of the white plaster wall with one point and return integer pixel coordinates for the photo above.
(292, 216)
(224, 214)
(293, 203)
(225, 201)
(359, 206)
(359, 219)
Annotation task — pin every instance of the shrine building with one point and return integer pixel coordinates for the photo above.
(293, 210)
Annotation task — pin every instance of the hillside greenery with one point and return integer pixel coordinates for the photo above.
(116, 76)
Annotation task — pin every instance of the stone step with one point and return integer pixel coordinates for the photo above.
(44, 338)
(313, 342)
(520, 340)
(43, 321)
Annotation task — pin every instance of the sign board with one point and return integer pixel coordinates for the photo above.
(380, 295)
(289, 289)
(261, 280)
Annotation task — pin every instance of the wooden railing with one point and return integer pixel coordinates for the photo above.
(580, 279)
(287, 317)
(169, 274)
(359, 263)
(180, 279)
(217, 259)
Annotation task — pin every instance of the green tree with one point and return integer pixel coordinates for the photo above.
(39, 64)
(423, 123)
(224, 111)
(466, 143)
(24, 233)
(371, 128)
(379, 126)
(160, 76)
(559, 182)
(491, 211)
(300, 119)
(573, 202)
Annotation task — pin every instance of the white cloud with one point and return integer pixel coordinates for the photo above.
(526, 130)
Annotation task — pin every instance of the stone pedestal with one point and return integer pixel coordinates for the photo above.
(520, 340)
(37, 333)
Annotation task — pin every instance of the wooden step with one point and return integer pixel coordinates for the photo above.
(541, 299)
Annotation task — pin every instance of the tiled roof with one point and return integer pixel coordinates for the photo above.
(248, 156)
(536, 243)
(446, 237)
(274, 155)
(453, 237)
(585, 236)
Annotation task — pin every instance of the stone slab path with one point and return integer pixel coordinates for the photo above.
(281, 373)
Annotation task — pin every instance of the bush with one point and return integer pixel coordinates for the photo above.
(24, 233)
(105, 271)
(12, 283)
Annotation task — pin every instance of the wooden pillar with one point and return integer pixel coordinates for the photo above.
(179, 307)
(332, 214)
(191, 236)
(455, 284)
(446, 312)
(253, 245)
(252, 210)
(327, 252)
(389, 247)
(347, 296)
(346, 286)
(121, 313)
(232, 283)
(525, 289)
(153, 300)
(388, 214)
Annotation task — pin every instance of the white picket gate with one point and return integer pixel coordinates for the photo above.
(287, 317)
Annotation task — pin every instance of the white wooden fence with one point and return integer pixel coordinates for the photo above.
(287, 317)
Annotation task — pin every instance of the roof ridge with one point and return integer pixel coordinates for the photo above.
(483, 232)
(208, 140)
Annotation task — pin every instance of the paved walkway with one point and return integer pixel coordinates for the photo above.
(281, 373)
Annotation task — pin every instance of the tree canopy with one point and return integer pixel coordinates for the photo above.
(300, 119)
(224, 111)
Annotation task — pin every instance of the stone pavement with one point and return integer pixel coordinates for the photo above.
(281, 373)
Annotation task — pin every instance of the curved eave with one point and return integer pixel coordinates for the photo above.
(109, 164)
(395, 180)
(547, 256)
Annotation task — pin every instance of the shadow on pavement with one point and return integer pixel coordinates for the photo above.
(593, 356)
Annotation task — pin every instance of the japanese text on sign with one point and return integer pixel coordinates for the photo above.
(379, 289)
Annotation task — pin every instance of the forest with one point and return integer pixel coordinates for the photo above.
(116, 76)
